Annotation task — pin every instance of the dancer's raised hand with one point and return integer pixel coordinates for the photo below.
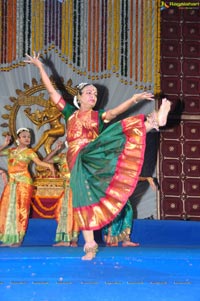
(33, 59)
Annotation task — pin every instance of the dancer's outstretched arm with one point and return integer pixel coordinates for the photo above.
(54, 95)
(113, 113)
(49, 157)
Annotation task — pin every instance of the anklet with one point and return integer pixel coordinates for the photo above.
(152, 119)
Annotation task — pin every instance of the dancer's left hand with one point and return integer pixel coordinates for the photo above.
(143, 96)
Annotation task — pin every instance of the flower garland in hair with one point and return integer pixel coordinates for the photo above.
(21, 130)
(82, 85)
(79, 87)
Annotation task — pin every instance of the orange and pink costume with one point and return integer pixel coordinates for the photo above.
(16, 196)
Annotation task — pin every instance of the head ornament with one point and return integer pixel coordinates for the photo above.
(21, 130)
(79, 87)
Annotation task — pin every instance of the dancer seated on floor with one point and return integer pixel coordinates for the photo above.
(119, 230)
(66, 234)
(104, 165)
(16, 196)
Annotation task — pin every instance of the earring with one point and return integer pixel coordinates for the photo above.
(76, 102)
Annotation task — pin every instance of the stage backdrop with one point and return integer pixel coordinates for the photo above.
(114, 44)
(179, 156)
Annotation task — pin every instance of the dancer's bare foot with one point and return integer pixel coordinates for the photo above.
(163, 112)
(61, 244)
(4, 245)
(158, 118)
(90, 250)
(130, 244)
(16, 245)
(88, 256)
(73, 244)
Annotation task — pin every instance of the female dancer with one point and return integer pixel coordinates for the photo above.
(104, 165)
(16, 196)
(66, 234)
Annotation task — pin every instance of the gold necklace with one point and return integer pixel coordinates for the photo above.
(19, 150)
(84, 118)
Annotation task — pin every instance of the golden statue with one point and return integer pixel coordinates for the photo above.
(50, 115)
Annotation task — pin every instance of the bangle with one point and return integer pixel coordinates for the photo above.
(135, 100)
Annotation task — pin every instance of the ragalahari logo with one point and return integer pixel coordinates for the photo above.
(164, 5)
(181, 5)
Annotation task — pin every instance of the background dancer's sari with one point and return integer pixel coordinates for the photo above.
(16, 197)
(65, 231)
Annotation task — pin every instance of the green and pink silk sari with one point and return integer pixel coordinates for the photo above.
(104, 164)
